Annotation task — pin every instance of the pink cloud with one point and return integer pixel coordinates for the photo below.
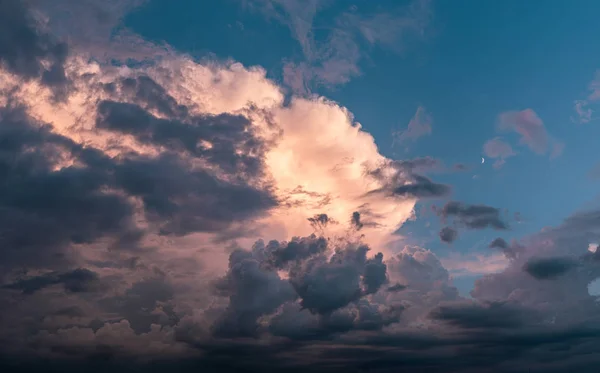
(419, 126)
(527, 124)
(498, 149)
(532, 131)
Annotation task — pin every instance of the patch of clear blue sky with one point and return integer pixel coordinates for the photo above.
(485, 57)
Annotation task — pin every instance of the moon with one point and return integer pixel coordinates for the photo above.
(482, 160)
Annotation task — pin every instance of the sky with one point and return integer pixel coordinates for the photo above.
(293, 185)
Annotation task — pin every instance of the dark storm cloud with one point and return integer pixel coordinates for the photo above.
(474, 216)
(448, 234)
(184, 200)
(325, 285)
(471, 315)
(253, 291)
(299, 248)
(145, 303)
(549, 268)
(224, 140)
(43, 210)
(23, 48)
(76, 281)
(355, 221)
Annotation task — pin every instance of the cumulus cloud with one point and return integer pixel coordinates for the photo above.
(28, 51)
(548, 268)
(399, 178)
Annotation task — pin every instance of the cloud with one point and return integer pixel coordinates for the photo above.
(498, 149)
(474, 216)
(471, 315)
(419, 126)
(78, 280)
(335, 59)
(448, 234)
(27, 51)
(531, 130)
(142, 181)
(585, 108)
(511, 250)
(548, 268)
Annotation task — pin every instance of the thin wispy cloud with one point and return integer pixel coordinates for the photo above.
(585, 108)
(336, 58)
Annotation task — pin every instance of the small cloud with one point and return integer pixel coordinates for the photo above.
(419, 126)
(474, 264)
(583, 112)
(474, 216)
(511, 251)
(548, 268)
(498, 149)
(448, 234)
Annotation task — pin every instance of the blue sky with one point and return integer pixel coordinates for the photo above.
(474, 61)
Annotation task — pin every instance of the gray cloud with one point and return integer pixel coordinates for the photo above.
(78, 280)
(548, 268)
(474, 216)
(61, 207)
(325, 285)
(399, 179)
(448, 234)
(299, 248)
(511, 250)
(470, 315)
(25, 50)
